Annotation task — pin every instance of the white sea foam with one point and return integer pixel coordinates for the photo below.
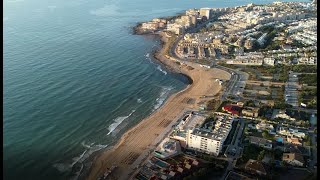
(78, 159)
(15, 1)
(163, 95)
(163, 71)
(85, 145)
(139, 100)
(107, 10)
(117, 122)
(147, 55)
(64, 167)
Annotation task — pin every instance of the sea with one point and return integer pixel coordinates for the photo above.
(76, 78)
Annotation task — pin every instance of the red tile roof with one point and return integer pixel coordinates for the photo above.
(232, 109)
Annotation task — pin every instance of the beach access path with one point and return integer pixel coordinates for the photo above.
(139, 138)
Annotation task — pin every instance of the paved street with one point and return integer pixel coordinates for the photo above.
(314, 158)
(236, 84)
(234, 148)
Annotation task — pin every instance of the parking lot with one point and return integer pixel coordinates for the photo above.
(291, 90)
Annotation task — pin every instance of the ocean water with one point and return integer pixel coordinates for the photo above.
(75, 78)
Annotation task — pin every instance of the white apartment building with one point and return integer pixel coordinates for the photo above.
(205, 12)
(210, 141)
(175, 28)
(269, 61)
(309, 61)
(261, 39)
(264, 126)
(290, 132)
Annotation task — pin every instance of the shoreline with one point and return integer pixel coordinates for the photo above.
(126, 146)
(155, 54)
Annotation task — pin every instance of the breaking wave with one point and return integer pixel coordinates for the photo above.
(163, 71)
(118, 121)
(89, 149)
(163, 96)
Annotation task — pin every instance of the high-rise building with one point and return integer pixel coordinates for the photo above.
(208, 141)
(193, 20)
(205, 12)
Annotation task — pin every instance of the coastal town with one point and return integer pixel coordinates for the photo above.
(259, 124)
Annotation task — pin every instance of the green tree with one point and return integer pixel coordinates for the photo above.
(261, 155)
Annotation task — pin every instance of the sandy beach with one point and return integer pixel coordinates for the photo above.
(139, 138)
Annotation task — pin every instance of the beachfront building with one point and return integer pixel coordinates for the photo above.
(175, 28)
(188, 121)
(209, 138)
(167, 149)
(150, 25)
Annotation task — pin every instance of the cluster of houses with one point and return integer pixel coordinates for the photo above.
(155, 24)
(192, 132)
(304, 31)
(287, 140)
(242, 27)
(239, 110)
(259, 168)
(156, 168)
(293, 153)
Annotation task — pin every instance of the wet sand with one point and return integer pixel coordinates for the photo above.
(139, 139)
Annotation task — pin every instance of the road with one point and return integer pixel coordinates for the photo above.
(311, 111)
(235, 145)
(314, 158)
(236, 84)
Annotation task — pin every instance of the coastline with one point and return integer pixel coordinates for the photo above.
(126, 147)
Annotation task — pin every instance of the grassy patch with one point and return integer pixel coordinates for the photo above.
(308, 96)
(304, 68)
(309, 79)
(249, 152)
(212, 104)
